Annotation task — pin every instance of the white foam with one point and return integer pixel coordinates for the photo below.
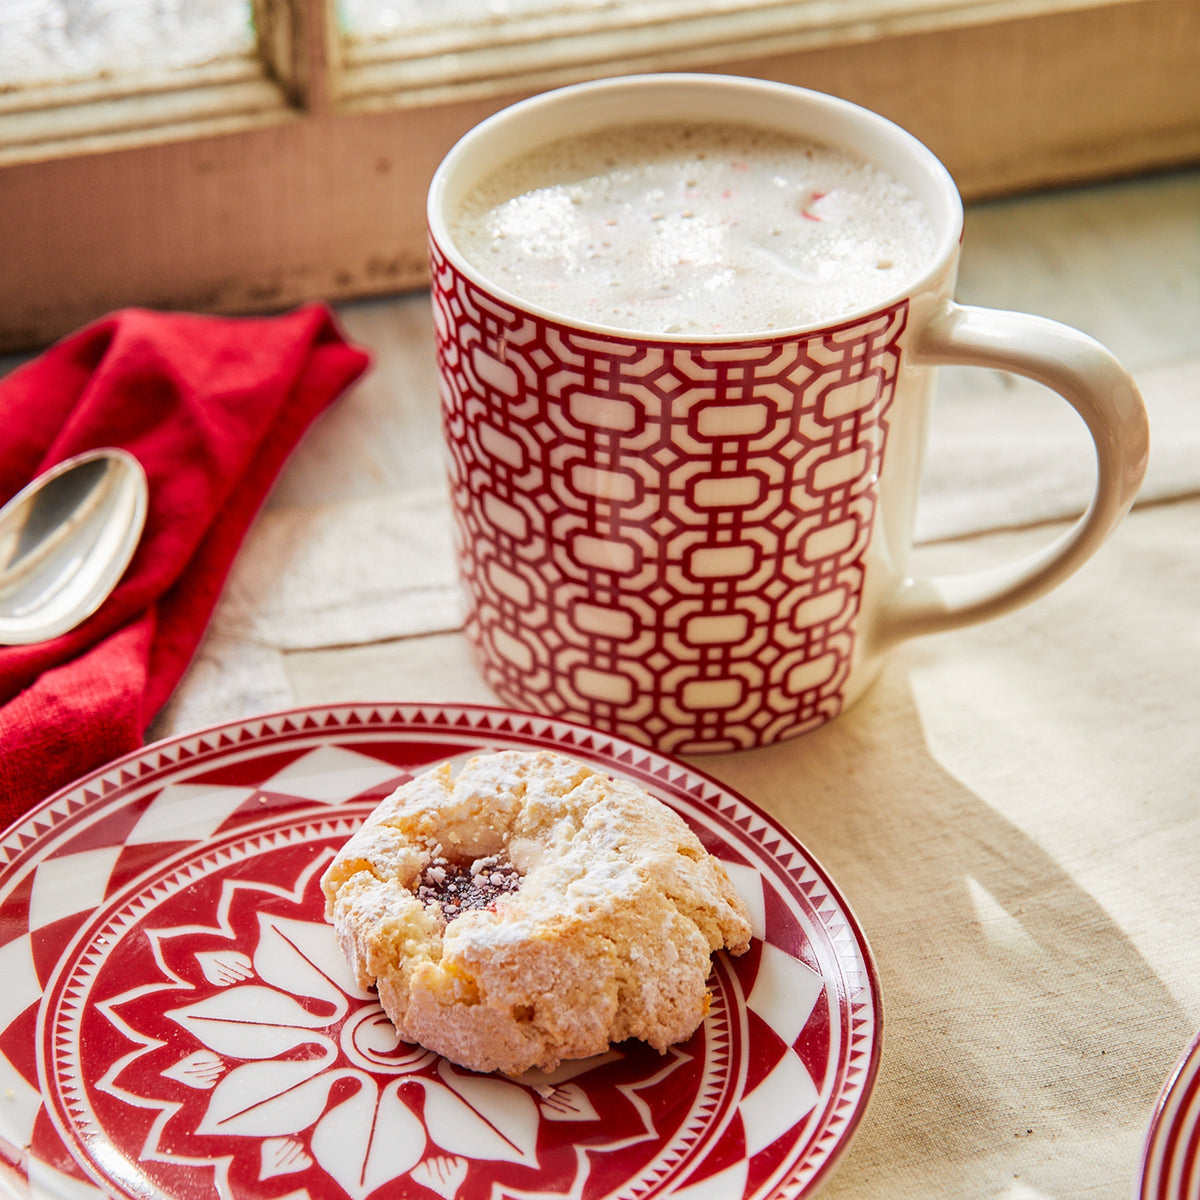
(695, 230)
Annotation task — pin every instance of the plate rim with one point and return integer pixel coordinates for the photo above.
(1184, 1070)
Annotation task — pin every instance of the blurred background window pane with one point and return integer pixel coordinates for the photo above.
(369, 19)
(63, 41)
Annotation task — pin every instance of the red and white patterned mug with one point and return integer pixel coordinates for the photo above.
(702, 542)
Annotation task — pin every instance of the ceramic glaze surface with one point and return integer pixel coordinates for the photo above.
(1170, 1167)
(666, 540)
(177, 1020)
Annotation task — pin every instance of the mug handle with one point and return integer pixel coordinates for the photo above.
(1091, 380)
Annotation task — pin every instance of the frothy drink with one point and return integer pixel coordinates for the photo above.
(695, 229)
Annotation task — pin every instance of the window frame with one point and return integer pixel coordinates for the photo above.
(303, 175)
(551, 49)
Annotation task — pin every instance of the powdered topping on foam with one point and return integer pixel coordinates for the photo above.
(695, 229)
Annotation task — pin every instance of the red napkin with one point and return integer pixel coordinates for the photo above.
(212, 407)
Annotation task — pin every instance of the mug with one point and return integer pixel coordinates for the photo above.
(701, 543)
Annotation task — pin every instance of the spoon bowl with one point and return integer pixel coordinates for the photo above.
(65, 541)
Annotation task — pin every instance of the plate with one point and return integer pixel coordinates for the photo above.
(176, 1020)
(1170, 1168)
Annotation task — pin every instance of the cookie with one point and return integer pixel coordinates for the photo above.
(531, 910)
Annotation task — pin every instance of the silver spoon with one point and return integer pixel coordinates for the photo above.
(65, 541)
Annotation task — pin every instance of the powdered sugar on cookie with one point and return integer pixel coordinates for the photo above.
(532, 910)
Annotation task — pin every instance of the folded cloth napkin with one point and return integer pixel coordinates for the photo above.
(212, 407)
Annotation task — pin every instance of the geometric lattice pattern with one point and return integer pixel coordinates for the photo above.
(661, 540)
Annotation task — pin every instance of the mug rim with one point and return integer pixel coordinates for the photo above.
(945, 211)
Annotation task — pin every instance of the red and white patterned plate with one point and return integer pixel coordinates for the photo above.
(176, 1021)
(1171, 1152)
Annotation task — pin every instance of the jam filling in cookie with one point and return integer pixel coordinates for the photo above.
(458, 887)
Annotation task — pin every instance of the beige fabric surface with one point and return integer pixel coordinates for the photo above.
(1013, 812)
